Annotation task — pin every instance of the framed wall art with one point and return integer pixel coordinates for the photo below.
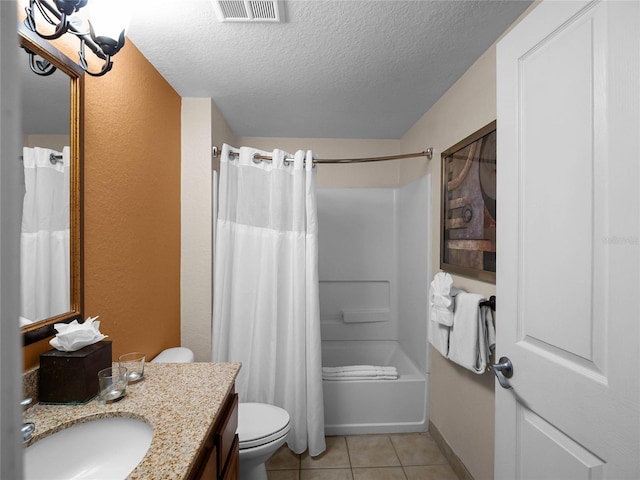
(468, 222)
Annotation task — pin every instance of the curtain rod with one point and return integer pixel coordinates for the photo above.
(428, 153)
(53, 158)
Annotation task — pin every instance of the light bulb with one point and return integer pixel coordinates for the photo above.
(109, 18)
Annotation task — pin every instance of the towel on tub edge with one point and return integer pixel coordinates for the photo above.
(359, 372)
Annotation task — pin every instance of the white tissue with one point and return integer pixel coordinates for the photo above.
(73, 336)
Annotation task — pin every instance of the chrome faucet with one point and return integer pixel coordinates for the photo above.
(27, 427)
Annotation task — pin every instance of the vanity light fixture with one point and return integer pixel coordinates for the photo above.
(99, 25)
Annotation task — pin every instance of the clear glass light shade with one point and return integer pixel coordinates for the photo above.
(109, 17)
(80, 20)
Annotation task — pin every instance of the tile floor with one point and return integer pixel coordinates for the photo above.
(403, 456)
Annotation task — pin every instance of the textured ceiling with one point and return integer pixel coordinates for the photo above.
(333, 69)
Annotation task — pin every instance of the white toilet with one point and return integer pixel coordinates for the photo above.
(175, 355)
(262, 428)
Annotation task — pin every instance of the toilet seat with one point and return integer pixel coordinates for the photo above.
(260, 424)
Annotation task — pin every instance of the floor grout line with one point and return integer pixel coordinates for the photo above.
(346, 444)
(393, 445)
(351, 468)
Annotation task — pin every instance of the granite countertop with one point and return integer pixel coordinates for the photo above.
(179, 400)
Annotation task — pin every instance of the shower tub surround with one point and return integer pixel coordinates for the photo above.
(353, 407)
(374, 272)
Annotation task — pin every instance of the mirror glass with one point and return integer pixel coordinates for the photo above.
(50, 247)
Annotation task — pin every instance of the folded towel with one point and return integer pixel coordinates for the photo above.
(359, 369)
(440, 299)
(441, 306)
(473, 334)
(439, 337)
(359, 372)
(383, 377)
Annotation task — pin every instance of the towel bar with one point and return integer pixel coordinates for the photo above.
(491, 303)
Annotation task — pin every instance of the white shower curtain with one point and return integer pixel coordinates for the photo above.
(44, 241)
(266, 308)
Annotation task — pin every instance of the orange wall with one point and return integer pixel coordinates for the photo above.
(131, 207)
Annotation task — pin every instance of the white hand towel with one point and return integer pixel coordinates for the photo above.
(441, 305)
(490, 329)
(473, 334)
(440, 300)
(439, 337)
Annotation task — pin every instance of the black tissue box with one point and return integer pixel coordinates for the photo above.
(72, 377)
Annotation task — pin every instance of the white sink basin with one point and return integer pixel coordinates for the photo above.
(105, 448)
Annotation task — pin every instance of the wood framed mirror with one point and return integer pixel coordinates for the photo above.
(37, 101)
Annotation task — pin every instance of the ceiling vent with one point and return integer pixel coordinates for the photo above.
(252, 11)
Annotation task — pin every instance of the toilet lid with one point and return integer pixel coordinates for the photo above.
(175, 355)
(259, 424)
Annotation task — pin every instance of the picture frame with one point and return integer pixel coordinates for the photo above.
(468, 213)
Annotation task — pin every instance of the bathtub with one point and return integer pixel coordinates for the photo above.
(373, 406)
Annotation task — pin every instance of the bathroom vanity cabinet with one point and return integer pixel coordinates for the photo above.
(192, 407)
(218, 458)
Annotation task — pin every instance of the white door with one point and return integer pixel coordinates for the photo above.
(568, 284)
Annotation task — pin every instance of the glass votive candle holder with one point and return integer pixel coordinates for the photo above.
(134, 363)
(112, 383)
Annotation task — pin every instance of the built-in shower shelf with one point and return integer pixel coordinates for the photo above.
(366, 315)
